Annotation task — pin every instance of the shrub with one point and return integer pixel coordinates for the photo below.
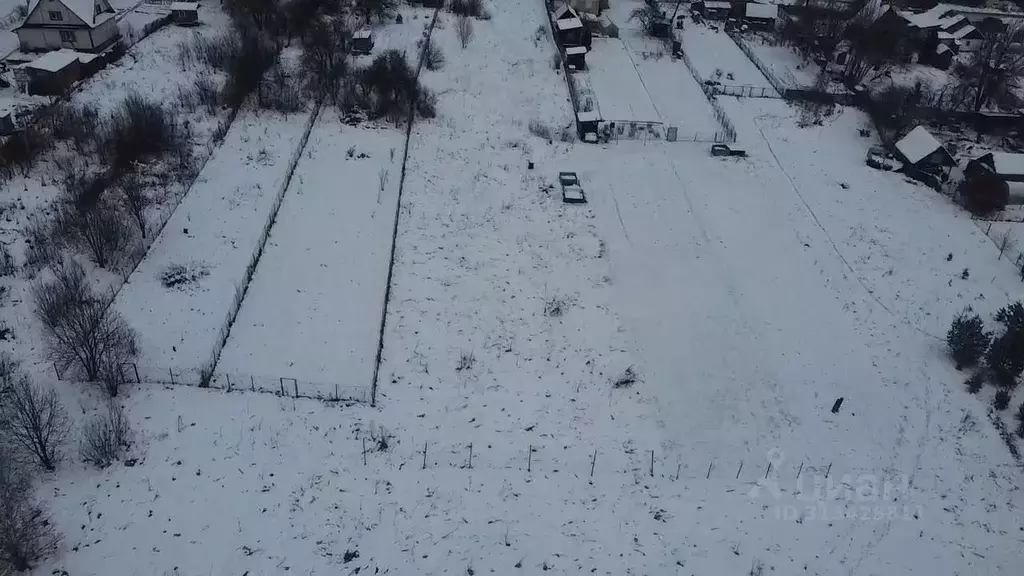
(79, 124)
(202, 93)
(426, 104)
(464, 30)
(975, 382)
(325, 48)
(43, 243)
(102, 232)
(212, 52)
(387, 88)
(23, 149)
(106, 437)
(34, 421)
(1005, 359)
(985, 193)
(540, 130)
(140, 129)
(626, 379)
(1001, 400)
(77, 326)
(382, 9)
(967, 339)
(433, 57)
(1011, 317)
(277, 92)
(7, 264)
(473, 8)
(255, 56)
(27, 534)
(133, 194)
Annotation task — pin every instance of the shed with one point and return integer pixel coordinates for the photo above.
(575, 57)
(54, 73)
(922, 154)
(1008, 166)
(571, 32)
(717, 9)
(185, 13)
(761, 16)
(362, 42)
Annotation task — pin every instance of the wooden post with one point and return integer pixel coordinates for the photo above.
(136, 368)
(470, 455)
(679, 466)
(709, 470)
(768, 471)
(740, 470)
(801, 469)
(424, 456)
(336, 395)
(252, 382)
(56, 371)
(228, 377)
(364, 451)
(171, 372)
(529, 459)
(593, 462)
(827, 472)
(296, 382)
(282, 385)
(652, 463)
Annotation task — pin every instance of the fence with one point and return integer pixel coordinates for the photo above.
(638, 130)
(231, 381)
(728, 132)
(743, 91)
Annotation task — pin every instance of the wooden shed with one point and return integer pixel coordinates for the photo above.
(54, 73)
(575, 57)
(362, 42)
(185, 13)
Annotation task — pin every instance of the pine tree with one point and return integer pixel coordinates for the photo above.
(967, 339)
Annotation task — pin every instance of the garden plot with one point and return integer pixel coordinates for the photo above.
(209, 241)
(718, 58)
(313, 308)
(784, 62)
(399, 36)
(617, 86)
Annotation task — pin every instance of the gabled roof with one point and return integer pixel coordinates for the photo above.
(917, 145)
(565, 11)
(1008, 164)
(184, 6)
(569, 24)
(54, 61)
(766, 11)
(85, 10)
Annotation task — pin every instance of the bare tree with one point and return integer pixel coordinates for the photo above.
(26, 532)
(1005, 242)
(100, 231)
(80, 328)
(464, 30)
(994, 70)
(106, 437)
(648, 16)
(35, 421)
(382, 9)
(264, 15)
(135, 199)
(325, 49)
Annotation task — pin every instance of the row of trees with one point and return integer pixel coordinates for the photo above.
(998, 359)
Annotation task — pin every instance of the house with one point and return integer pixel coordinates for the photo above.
(924, 157)
(80, 25)
(185, 13)
(571, 32)
(761, 16)
(55, 72)
(993, 180)
(712, 9)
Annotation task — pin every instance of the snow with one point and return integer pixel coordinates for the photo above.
(84, 9)
(186, 7)
(588, 116)
(766, 11)
(717, 5)
(716, 56)
(1008, 164)
(917, 144)
(54, 61)
(573, 50)
(616, 84)
(313, 308)
(215, 228)
(569, 23)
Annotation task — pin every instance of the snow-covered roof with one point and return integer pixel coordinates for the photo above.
(1008, 164)
(918, 144)
(184, 6)
(84, 9)
(564, 8)
(946, 15)
(569, 23)
(717, 5)
(362, 34)
(755, 10)
(958, 34)
(573, 50)
(942, 49)
(588, 116)
(54, 61)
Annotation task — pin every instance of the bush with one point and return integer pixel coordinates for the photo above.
(967, 339)
(426, 104)
(325, 49)
(27, 534)
(985, 193)
(1005, 359)
(7, 264)
(1001, 400)
(140, 129)
(78, 124)
(626, 379)
(106, 437)
(256, 54)
(78, 327)
(278, 93)
(216, 52)
(133, 194)
(202, 93)
(23, 150)
(43, 243)
(81, 186)
(473, 8)
(387, 88)
(464, 30)
(975, 382)
(540, 130)
(382, 9)
(1011, 317)
(102, 232)
(34, 421)
(433, 57)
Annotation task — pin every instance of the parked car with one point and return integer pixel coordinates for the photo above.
(880, 159)
(572, 192)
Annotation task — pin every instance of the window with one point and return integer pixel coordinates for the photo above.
(56, 15)
(67, 36)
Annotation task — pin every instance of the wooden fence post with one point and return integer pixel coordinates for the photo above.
(529, 459)
(171, 372)
(424, 456)
(252, 382)
(593, 461)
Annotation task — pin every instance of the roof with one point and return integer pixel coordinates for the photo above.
(54, 61)
(717, 4)
(918, 144)
(576, 50)
(569, 23)
(959, 34)
(184, 6)
(588, 116)
(755, 10)
(1008, 164)
(84, 9)
(945, 15)
(361, 34)
(942, 49)
(563, 9)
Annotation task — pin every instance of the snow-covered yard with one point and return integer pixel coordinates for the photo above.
(313, 309)
(213, 232)
(791, 69)
(616, 83)
(718, 58)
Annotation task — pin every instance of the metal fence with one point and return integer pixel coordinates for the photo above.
(728, 131)
(231, 381)
(744, 91)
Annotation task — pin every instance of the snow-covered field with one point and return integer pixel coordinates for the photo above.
(313, 309)
(747, 295)
(717, 57)
(213, 231)
(617, 85)
(784, 62)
